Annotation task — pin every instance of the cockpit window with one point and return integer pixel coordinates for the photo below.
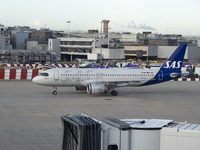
(44, 74)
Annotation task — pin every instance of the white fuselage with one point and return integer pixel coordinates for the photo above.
(83, 76)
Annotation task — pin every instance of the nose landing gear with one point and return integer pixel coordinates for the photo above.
(114, 93)
(55, 91)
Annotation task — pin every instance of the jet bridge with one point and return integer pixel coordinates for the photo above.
(80, 133)
(85, 133)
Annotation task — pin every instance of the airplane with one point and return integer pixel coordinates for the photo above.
(96, 81)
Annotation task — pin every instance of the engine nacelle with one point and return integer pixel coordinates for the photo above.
(96, 88)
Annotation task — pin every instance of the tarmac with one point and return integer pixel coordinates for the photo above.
(30, 114)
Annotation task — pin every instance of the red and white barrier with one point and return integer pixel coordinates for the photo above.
(18, 74)
(187, 79)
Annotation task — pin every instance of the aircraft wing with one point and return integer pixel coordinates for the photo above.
(114, 84)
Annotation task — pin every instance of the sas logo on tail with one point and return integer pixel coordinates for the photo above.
(174, 64)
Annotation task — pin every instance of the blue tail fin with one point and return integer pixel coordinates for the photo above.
(174, 62)
(171, 69)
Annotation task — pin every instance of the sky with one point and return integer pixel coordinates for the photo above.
(157, 16)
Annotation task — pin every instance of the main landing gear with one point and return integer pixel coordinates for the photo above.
(55, 91)
(114, 93)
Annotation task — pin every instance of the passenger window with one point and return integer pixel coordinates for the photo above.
(44, 74)
(112, 147)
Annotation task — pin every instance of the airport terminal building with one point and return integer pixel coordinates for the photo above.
(89, 48)
(92, 45)
(192, 54)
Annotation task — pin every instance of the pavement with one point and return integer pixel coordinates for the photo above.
(30, 114)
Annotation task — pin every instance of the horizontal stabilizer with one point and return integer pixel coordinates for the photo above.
(174, 75)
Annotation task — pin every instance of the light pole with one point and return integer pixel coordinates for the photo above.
(101, 45)
(108, 39)
(68, 22)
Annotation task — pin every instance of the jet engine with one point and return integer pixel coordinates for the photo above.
(96, 88)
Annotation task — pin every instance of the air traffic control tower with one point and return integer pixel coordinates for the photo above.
(105, 26)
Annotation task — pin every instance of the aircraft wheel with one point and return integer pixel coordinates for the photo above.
(114, 93)
(54, 92)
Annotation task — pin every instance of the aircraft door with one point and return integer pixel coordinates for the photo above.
(99, 75)
(56, 75)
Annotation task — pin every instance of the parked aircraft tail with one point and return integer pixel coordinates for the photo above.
(171, 69)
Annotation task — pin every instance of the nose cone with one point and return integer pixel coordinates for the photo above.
(36, 80)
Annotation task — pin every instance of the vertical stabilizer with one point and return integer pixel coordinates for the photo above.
(171, 69)
(175, 61)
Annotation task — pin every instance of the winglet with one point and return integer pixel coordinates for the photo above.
(107, 65)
